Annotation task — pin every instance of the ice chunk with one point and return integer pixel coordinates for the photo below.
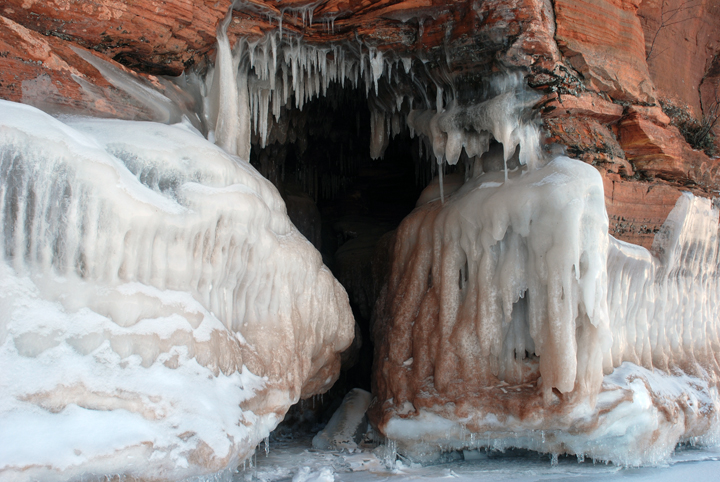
(156, 303)
(348, 424)
(305, 474)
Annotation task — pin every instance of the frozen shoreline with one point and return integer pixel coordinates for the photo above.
(296, 460)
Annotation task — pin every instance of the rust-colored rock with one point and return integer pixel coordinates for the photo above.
(662, 152)
(160, 36)
(585, 104)
(682, 42)
(584, 137)
(636, 210)
(603, 40)
(46, 73)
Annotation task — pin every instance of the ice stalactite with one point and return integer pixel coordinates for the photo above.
(452, 129)
(281, 71)
(157, 303)
(511, 280)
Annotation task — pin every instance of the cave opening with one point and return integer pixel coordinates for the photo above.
(348, 205)
(354, 139)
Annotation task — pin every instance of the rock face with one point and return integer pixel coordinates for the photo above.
(681, 47)
(603, 41)
(162, 37)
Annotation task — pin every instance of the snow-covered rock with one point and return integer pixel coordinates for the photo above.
(158, 312)
(512, 319)
(348, 424)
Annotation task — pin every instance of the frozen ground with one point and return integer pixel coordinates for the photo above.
(297, 461)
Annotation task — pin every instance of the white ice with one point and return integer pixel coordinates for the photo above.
(158, 310)
(348, 424)
(296, 458)
(528, 282)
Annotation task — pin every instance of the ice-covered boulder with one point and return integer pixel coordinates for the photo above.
(512, 319)
(158, 312)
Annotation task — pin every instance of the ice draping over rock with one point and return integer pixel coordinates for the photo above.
(156, 302)
(507, 304)
(471, 128)
(248, 89)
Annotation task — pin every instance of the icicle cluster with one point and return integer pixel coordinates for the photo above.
(252, 83)
(664, 307)
(451, 130)
(489, 281)
(512, 311)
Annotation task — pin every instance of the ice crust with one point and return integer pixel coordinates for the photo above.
(158, 310)
(517, 321)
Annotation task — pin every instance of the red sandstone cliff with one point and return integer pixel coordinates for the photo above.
(605, 65)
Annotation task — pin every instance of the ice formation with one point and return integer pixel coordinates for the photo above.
(517, 321)
(510, 318)
(248, 90)
(347, 425)
(159, 312)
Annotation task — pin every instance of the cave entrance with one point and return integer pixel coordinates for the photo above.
(346, 203)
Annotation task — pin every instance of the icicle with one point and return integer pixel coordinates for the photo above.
(440, 179)
(273, 45)
(407, 63)
(377, 64)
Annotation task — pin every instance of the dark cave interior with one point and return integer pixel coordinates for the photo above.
(348, 205)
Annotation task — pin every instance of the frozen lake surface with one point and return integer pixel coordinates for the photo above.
(297, 461)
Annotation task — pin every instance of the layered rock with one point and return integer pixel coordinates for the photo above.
(603, 41)
(162, 37)
(681, 47)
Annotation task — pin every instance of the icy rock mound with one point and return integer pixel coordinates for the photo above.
(347, 425)
(159, 312)
(512, 319)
